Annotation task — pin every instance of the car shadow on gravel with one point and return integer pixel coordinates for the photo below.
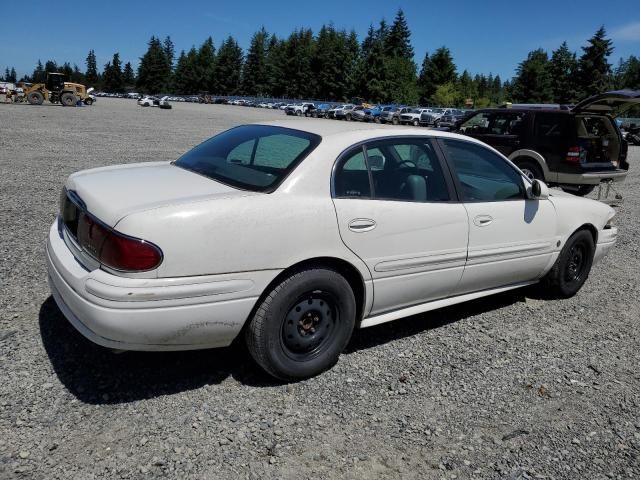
(97, 375)
(407, 327)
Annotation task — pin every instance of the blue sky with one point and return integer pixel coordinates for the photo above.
(484, 37)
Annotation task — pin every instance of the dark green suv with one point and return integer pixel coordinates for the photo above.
(575, 148)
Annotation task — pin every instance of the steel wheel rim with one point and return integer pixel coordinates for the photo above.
(577, 263)
(528, 173)
(309, 326)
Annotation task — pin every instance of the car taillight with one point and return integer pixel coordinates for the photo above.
(115, 250)
(576, 155)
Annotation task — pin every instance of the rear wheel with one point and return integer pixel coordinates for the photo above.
(303, 324)
(68, 99)
(347, 117)
(88, 101)
(35, 98)
(530, 169)
(298, 113)
(572, 267)
(395, 120)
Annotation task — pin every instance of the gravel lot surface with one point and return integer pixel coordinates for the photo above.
(510, 386)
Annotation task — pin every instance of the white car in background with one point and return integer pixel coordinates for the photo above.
(295, 234)
(150, 101)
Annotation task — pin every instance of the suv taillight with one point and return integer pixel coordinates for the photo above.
(115, 250)
(576, 155)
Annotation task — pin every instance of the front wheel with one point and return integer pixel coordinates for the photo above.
(68, 99)
(88, 101)
(303, 324)
(395, 120)
(572, 267)
(415, 123)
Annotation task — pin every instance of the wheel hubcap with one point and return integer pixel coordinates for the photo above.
(576, 264)
(308, 326)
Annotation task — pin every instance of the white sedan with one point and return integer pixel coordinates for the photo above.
(294, 233)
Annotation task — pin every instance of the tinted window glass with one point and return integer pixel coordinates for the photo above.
(550, 129)
(483, 175)
(411, 171)
(352, 176)
(251, 157)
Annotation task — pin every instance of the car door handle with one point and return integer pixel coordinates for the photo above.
(362, 225)
(483, 220)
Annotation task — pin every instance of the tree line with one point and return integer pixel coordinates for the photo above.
(335, 65)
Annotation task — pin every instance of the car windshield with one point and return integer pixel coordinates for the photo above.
(438, 110)
(417, 110)
(250, 157)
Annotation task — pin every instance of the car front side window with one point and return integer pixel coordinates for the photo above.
(483, 175)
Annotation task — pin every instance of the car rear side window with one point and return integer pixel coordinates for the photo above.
(483, 175)
(352, 176)
(250, 157)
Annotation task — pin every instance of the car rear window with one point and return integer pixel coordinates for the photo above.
(250, 157)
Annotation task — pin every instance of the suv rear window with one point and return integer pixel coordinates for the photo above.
(250, 157)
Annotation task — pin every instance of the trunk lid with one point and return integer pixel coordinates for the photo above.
(111, 193)
(614, 103)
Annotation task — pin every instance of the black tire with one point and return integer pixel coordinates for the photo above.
(282, 336)
(68, 99)
(395, 120)
(377, 120)
(583, 190)
(572, 267)
(415, 122)
(298, 113)
(35, 98)
(530, 169)
(88, 101)
(347, 117)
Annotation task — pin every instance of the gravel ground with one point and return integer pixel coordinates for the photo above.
(506, 387)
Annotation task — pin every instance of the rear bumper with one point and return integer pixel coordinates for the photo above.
(591, 178)
(182, 313)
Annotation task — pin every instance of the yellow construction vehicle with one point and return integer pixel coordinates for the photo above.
(56, 90)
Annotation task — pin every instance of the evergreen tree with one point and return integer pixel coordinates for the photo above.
(91, 74)
(275, 63)
(350, 64)
(398, 40)
(128, 75)
(532, 83)
(594, 71)
(334, 58)
(50, 66)
(466, 88)
(77, 76)
(368, 41)
(154, 70)
(6, 75)
(627, 74)
(169, 50)
(300, 78)
(254, 74)
(437, 69)
(112, 75)
(563, 69)
(206, 66)
(39, 75)
(399, 58)
(228, 67)
(10, 75)
(186, 74)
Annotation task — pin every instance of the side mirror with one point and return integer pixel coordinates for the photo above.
(539, 190)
